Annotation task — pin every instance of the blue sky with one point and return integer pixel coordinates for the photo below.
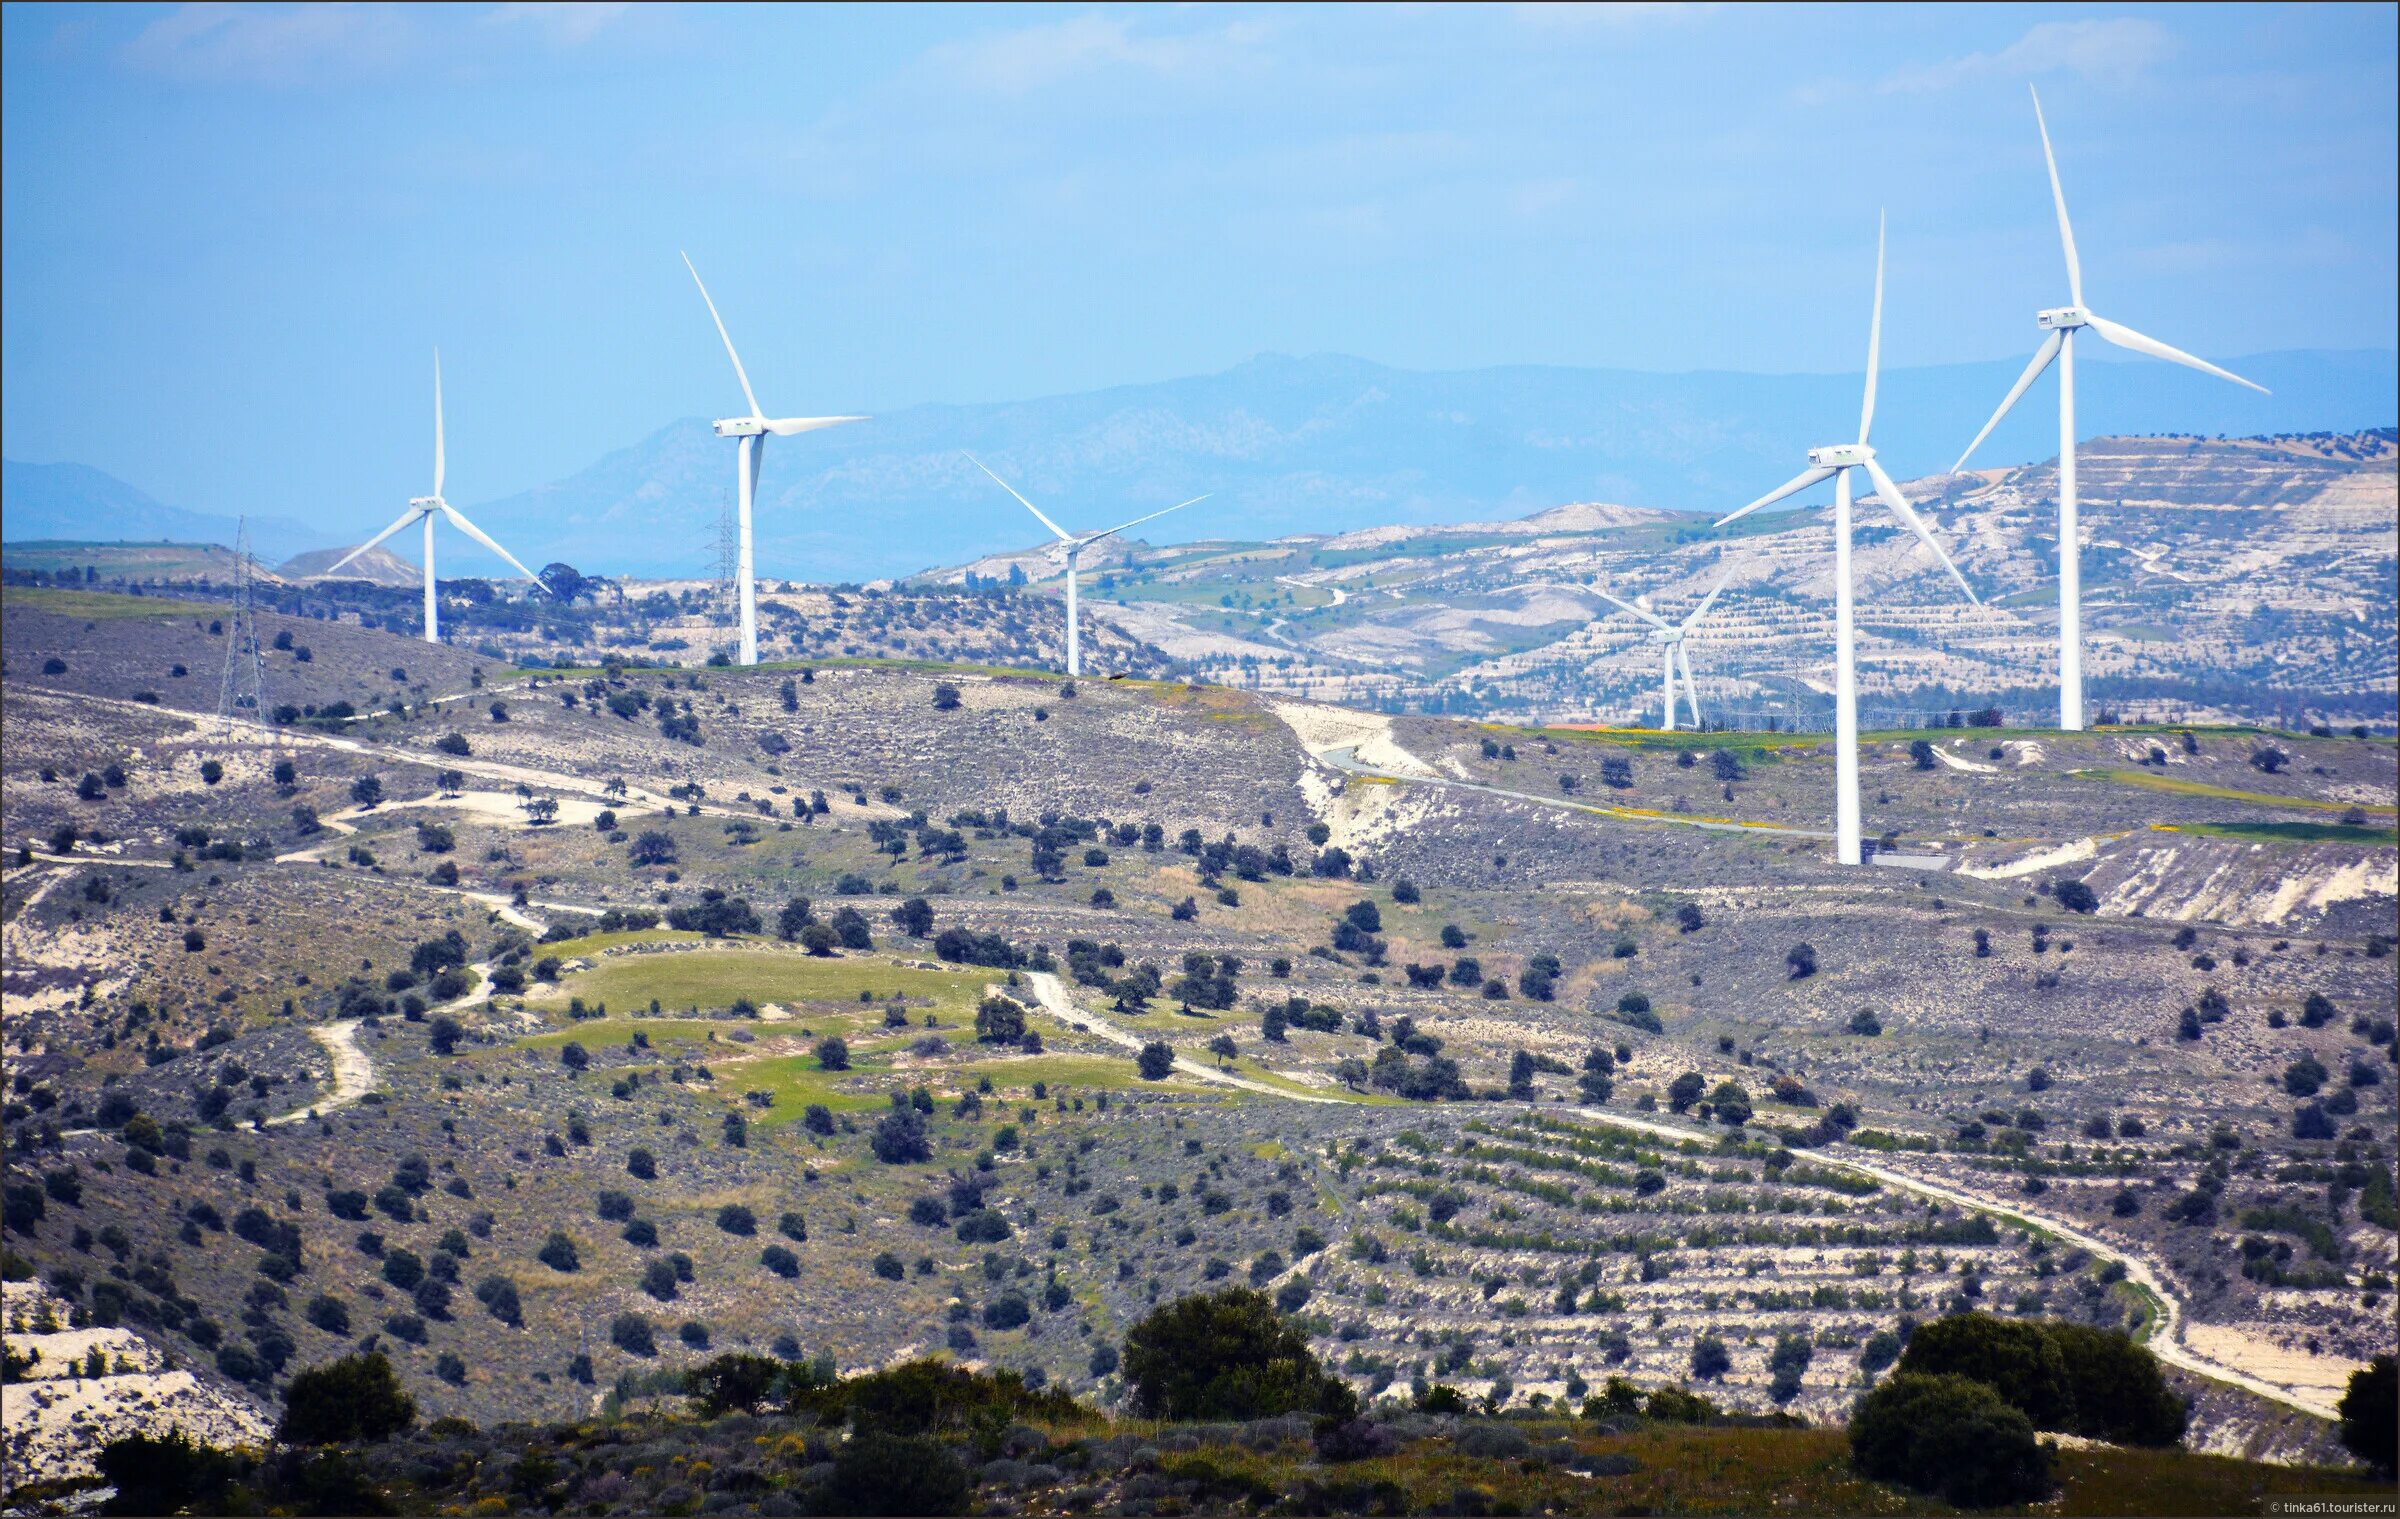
(233, 233)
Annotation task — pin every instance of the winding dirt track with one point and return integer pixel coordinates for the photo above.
(353, 1072)
(2165, 1336)
(2165, 1333)
(1056, 1002)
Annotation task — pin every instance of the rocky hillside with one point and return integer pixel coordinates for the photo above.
(2250, 575)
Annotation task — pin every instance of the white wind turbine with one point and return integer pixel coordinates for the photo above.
(2061, 323)
(752, 430)
(1835, 463)
(424, 509)
(1670, 636)
(1072, 548)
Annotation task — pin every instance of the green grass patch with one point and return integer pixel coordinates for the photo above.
(2289, 833)
(101, 606)
(2177, 786)
(593, 944)
(713, 978)
(796, 1081)
(1073, 1074)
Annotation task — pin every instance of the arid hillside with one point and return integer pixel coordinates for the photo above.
(552, 1030)
(2221, 577)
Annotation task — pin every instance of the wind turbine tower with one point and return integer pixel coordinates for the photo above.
(2062, 323)
(424, 509)
(752, 432)
(1071, 548)
(1670, 636)
(1835, 463)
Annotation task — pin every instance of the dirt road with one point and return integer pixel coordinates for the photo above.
(353, 1072)
(2165, 1337)
(1056, 1002)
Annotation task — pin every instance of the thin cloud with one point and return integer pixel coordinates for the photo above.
(1599, 13)
(1014, 63)
(271, 44)
(563, 23)
(2112, 49)
(220, 42)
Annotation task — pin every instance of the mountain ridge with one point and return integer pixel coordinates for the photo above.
(1330, 443)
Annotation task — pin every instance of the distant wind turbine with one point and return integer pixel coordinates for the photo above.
(752, 430)
(1835, 463)
(1072, 548)
(1670, 638)
(2061, 323)
(424, 509)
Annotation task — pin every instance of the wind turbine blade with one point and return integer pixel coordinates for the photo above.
(2042, 358)
(2125, 337)
(1706, 602)
(2058, 197)
(1866, 410)
(1908, 514)
(1793, 486)
(785, 427)
(1691, 689)
(738, 372)
(1063, 535)
(480, 536)
(1643, 613)
(1138, 521)
(405, 518)
(437, 421)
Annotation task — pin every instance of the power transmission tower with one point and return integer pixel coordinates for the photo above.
(243, 691)
(725, 611)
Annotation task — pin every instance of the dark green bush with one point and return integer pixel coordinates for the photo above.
(735, 1382)
(2120, 1394)
(1228, 1355)
(878, 1473)
(2096, 1383)
(1948, 1436)
(172, 1475)
(2016, 1360)
(2370, 1417)
(927, 1396)
(354, 1398)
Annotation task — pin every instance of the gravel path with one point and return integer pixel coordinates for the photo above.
(1056, 1001)
(353, 1072)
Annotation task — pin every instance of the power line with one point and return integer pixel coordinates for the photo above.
(243, 690)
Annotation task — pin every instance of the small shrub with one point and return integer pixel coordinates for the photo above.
(354, 1398)
(1948, 1436)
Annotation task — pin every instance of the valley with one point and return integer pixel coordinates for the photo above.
(552, 1030)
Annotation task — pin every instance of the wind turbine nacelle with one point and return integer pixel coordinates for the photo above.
(1666, 635)
(1840, 456)
(741, 427)
(2062, 319)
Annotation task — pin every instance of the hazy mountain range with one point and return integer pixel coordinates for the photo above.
(75, 503)
(1322, 444)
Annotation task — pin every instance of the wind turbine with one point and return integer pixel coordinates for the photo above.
(425, 509)
(1670, 638)
(1835, 463)
(2061, 323)
(752, 430)
(1073, 548)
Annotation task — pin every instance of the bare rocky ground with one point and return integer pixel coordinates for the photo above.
(2048, 1073)
(84, 1387)
(1505, 619)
